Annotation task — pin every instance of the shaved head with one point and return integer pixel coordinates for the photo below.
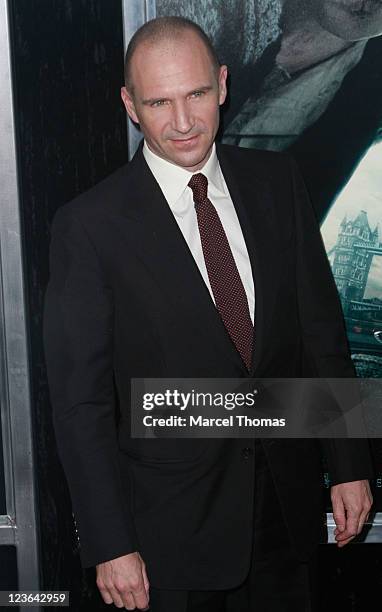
(161, 30)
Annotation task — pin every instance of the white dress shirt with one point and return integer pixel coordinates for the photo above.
(173, 181)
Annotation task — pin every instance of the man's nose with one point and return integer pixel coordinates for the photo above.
(182, 118)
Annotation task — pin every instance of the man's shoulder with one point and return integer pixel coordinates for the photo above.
(261, 162)
(101, 197)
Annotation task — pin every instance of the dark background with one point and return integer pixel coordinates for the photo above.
(71, 132)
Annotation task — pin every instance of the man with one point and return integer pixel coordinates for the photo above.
(153, 274)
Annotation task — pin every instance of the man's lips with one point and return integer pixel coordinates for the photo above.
(184, 141)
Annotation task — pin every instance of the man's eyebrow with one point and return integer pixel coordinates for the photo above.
(202, 88)
(148, 101)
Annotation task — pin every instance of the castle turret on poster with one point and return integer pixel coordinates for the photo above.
(353, 254)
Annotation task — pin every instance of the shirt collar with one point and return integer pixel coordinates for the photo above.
(173, 179)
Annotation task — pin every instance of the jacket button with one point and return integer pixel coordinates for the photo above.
(247, 452)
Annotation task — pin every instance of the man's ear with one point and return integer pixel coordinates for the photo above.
(222, 79)
(128, 101)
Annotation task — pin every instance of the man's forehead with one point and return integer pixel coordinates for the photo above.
(170, 67)
(185, 43)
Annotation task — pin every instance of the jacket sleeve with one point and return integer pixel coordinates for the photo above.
(78, 334)
(323, 330)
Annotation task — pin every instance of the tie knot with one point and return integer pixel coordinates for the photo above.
(199, 185)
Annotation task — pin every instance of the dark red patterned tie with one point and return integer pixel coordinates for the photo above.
(229, 293)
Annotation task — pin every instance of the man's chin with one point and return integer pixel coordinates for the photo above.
(191, 163)
(190, 160)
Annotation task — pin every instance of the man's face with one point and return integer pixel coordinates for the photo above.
(175, 99)
(350, 19)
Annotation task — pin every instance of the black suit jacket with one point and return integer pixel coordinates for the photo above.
(126, 299)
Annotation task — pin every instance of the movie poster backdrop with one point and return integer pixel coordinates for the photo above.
(306, 77)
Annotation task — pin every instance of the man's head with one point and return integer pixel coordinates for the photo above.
(174, 86)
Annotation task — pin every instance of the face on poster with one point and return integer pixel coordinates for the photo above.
(305, 76)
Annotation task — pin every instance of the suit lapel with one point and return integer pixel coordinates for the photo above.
(254, 203)
(160, 244)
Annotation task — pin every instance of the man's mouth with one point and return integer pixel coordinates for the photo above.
(184, 141)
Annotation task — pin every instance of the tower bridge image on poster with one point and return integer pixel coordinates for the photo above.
(351, 259)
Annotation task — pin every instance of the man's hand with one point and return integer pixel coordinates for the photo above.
(123, 581)
(351, 503)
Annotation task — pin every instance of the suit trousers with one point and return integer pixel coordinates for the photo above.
(277, 580)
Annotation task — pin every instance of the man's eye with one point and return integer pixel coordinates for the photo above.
(158, 103)
(197, 94)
